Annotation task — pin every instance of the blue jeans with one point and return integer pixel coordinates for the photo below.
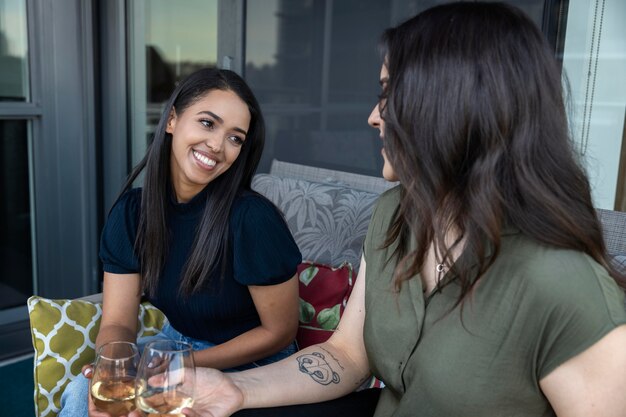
(74, 398)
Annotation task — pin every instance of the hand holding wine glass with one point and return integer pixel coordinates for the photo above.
(217, 394)
(166, 377)
(112, 387)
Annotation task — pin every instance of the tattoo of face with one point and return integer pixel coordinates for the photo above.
(317, 367)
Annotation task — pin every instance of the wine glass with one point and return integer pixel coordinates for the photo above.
(166, 377)
(112, 386)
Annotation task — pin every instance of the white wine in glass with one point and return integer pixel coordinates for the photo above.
(112, 386)
(166, 377)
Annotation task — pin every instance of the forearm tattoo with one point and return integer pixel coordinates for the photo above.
(317, 367)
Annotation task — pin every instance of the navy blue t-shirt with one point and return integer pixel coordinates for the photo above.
(263, 252)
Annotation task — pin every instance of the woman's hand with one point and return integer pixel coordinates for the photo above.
(216, 395)
(87, 372)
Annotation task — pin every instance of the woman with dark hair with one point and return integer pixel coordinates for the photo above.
(216, 257)
(484, 288)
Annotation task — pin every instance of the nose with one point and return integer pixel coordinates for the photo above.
(374, 118)
(215, 142)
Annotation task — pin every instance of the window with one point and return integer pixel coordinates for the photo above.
(16, 261)
(17, 113)
(594, 64)
(16, 255)
(314, 67)
(13, 51)
(168, 41)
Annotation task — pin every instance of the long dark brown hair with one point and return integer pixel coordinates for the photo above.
(477, 133)
(211, 240)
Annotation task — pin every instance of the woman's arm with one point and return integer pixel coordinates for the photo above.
(318, 373)
(120, 307)
(277, 306)
(592, 383)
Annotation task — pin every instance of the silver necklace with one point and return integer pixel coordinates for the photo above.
(439, 269)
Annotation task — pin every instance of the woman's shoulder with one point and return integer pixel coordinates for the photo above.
(251, 203)
(117, 241)
(127, 204)
(131, 197)
(534, 258)
(386, 206)
(565, 299)
(564, 276)
(390, 197)
(380, 222)
(542, 264)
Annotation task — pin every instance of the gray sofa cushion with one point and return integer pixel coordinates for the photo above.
(614, 231)
(619, 263)
(330, 176)
(328, 221)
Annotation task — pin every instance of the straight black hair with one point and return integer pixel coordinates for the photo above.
(212, 239)
(477, 133)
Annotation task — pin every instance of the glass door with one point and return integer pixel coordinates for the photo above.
(167, 41)
(314, 65)
(17, 261)
(16, 242)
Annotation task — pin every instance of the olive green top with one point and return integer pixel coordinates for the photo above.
(535, 308)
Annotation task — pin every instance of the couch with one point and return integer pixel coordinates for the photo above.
(328, 213)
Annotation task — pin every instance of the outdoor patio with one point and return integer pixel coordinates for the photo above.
(16, 387)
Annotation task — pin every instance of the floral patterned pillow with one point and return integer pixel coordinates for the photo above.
(324, 293)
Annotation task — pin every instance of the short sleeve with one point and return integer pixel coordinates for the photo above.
(576, 304)
(117, 242)
(264, 251)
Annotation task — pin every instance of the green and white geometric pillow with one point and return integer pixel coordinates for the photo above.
(64, 334)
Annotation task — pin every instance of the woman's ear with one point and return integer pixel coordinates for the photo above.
(171, 122)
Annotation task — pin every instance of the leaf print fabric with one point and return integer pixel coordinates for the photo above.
(328, 221)
(328, 318)
(324, 293)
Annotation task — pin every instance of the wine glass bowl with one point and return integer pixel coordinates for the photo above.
(112, 386)
(166, 377)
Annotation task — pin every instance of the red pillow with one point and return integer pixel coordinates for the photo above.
(324, 292)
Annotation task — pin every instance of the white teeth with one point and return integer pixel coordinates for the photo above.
(204, 159)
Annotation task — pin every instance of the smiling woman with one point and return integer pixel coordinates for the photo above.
(206, 141)
(214, 256)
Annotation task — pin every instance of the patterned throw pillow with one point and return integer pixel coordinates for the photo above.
(63, 333)
(324, 292)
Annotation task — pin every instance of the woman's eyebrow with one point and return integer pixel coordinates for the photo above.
(221, 121)
(213, 115)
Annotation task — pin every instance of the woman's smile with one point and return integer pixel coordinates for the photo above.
(205, 161)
